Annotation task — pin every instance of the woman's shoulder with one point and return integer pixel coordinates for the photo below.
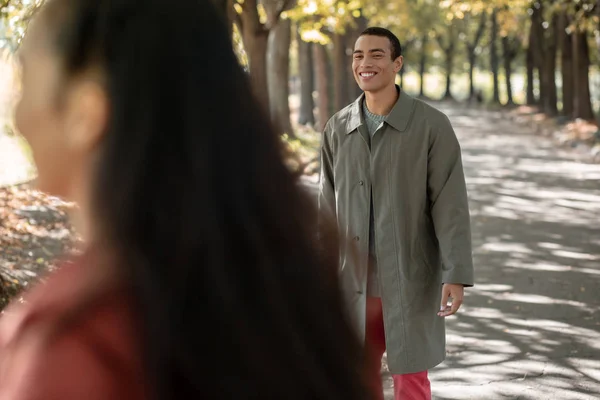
(57, 341)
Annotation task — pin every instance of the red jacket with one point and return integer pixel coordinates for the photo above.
(95, 357)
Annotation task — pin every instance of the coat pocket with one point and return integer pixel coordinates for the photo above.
(419, 269)
(425, 253)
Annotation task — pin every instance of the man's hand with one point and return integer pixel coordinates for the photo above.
(454, 294)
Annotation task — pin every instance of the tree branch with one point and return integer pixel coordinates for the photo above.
(276, 16)
(4, 4)
(250, 18)
(287, 4)
(481, 28)
(438, 38)
(472, 46)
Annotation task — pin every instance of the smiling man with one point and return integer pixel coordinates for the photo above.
(392, 177)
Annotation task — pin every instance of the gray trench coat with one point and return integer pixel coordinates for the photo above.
(421, 215)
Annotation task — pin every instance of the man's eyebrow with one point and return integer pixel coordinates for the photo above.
(370, 51)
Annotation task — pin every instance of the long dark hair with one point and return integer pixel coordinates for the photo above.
(214, 237)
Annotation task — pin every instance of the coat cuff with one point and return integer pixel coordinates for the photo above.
(459, 277)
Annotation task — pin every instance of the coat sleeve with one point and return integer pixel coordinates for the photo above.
(449, 204)
(326, 201)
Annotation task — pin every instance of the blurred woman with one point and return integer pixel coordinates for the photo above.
(200, 277)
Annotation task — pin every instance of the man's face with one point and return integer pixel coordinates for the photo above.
(373, 66)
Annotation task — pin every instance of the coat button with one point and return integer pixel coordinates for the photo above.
(356, 238)
(361, 183)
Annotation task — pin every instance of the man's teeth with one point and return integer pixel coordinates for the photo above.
(368, 74)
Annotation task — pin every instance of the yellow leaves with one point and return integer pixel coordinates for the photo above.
(406, 18)
(327, 8)
(462, 7)
(262, 13)
(583, 15)
(319, 18)
(511, 14)
(238, 47)
(354, 5)
(510, 22)
(311, 8)
(315, 36)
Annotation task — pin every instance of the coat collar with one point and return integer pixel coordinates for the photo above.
(398, 118)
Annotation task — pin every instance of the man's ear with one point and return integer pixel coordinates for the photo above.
(398, 63)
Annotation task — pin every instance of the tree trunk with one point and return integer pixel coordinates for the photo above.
(598, 28)
(255, 37)
(448, 58)
(354, 90)
(531, 63)
(307, 78)
(280, 40)
(472, 55)
(352, 87)
(538, 54)
(549, 66)
(449, 53)
(508, 54)
(320, 59)
(566, 66)
(423, 64)
(330, 81)
(472, 59)
(340, 67)
(530, 66)
(494, 62)
(256, 49)
(581, 61)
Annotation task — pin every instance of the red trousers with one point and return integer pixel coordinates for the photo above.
(407, 386)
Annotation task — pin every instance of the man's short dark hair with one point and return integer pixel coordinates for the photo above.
(382, 32)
